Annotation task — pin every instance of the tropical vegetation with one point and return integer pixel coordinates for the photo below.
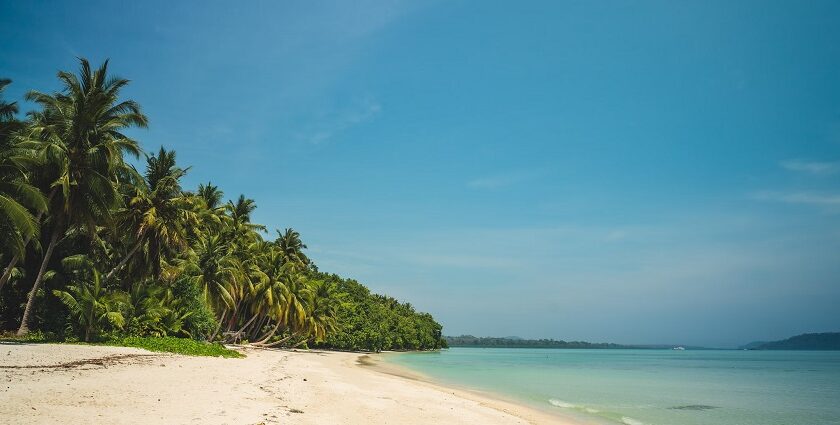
(516, 342)
(95, 249)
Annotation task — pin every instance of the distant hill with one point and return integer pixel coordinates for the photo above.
(817, 341)
(517, 342)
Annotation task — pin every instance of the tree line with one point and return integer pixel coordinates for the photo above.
(92, 247)
(514, 342)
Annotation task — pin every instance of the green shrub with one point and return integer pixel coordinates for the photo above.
(200, 321)
(174, 345)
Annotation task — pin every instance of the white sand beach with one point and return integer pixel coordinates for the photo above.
(70, 384)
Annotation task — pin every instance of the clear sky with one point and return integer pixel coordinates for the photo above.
(634, 172)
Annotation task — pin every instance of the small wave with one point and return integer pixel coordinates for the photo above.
(563, 404)
(631, 421)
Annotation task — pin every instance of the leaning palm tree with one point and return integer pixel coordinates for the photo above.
(79, 134)
(213, 269)
(17, 223)
(253, 281)
(270, 295)
(323, 317)
(296, 301)
(18, 197)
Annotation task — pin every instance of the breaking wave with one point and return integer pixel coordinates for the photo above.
(565, 405)
(631, 421)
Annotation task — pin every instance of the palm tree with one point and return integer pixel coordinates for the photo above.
(270, 294)
(323, 317)
(240, 217)
(239, 233)
(79, 134)
(158, 212)
(8, 123)
(292, 247)
(241, 210)
(296, 303)
(92, 305)
(212, 195)
(215, 271)
(18, 198)
(207, 209)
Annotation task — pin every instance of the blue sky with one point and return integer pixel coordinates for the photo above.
(636, 172)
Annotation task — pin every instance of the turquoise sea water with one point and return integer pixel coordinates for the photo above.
(653, 387)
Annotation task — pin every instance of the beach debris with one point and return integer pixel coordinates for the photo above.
(101, 361)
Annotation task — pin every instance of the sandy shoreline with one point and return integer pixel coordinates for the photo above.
(46, 383)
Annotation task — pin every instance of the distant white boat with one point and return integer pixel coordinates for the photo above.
(681, 348)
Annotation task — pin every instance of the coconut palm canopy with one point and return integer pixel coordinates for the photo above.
(94, 247)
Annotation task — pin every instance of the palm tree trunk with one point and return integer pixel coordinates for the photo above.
(234, 317)
(7, 273)
(276, 343)
(218, 327)
(24, 321)
(269, 335)
(124, 260)
(247, 324)
(256, 331)
(301, 343)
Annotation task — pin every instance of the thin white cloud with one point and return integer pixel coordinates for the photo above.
(807, 198)
(337, 122)
(811, 167)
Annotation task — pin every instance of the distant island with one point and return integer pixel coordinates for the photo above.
(808, 341)
(812, 341)
(516, 342)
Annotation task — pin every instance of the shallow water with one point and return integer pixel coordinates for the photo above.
(652, 387)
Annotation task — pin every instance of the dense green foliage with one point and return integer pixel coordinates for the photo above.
(813, 341)
(375, 322)
(95, 249)
(512, 342)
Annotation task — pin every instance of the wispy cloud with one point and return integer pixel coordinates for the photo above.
(339, 121)
(502, 180)
(811, 167)
(807, 198)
